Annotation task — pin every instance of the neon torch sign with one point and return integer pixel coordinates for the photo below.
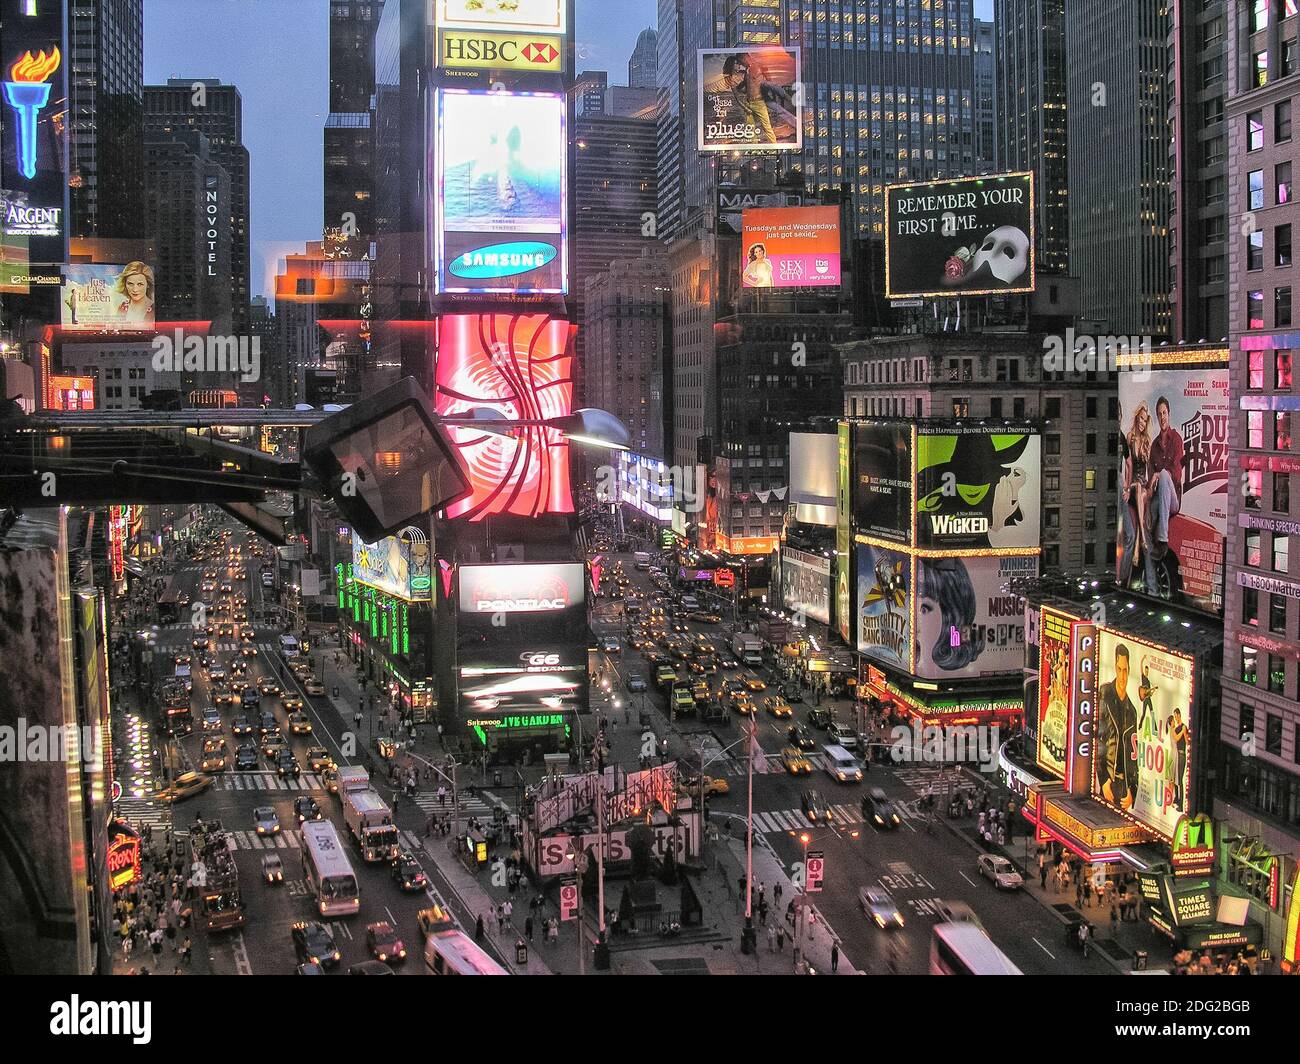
(27, 91)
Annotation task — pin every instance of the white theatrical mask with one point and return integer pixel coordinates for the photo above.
(1004, 253)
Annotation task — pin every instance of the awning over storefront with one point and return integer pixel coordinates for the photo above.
(1089, 828)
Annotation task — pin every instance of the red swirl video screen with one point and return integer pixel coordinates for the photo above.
(520, 367)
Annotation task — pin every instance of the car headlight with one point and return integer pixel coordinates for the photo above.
(878, 820)
(383, 957)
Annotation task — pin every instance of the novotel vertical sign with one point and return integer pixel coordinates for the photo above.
(1083, 706)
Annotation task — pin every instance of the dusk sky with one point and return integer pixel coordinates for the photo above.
(267, 46)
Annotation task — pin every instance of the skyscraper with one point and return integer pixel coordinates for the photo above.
(180, 176)
(349, 150)
(985, 97)
(216, 111)
(1198, 169)
(105, 138)
(590, 89)
(1258, 742)
(1030, 115)
(1118, 114)
(642, 65)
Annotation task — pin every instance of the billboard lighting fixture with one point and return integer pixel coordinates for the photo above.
(595, 428)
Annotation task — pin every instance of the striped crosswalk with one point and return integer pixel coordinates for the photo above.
(141, 811)
(269, 781)
(292, 840)
(470, 804)
(785, 820)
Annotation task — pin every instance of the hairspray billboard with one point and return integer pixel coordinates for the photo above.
(517, 367)
(969, 621)
(978, 489)
(1173, 484)
(885, 606)
(1143, 756)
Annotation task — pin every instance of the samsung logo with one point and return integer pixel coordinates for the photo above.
(502, 260)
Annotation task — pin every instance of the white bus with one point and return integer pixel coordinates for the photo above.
(455, 953)
(964, 949)
(289, 646)
(327, 870)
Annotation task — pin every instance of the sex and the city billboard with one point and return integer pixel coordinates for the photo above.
(791, 247)
(750, 98)
(519, 367)
(965, 237)
(978, 488)
(500, 195)
(1173, 483)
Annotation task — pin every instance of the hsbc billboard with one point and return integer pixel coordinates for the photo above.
(487, 590)
(483, 50)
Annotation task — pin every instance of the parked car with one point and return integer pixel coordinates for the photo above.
(1000, 871)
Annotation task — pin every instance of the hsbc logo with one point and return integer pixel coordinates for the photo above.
(499, 51)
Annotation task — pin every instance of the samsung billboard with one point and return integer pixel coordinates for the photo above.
(500, 196)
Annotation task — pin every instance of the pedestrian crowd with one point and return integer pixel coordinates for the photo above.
(155, 910)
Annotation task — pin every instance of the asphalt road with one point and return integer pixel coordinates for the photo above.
(264, 945)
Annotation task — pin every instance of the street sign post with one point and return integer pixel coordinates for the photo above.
(814, 871)
(569, 900)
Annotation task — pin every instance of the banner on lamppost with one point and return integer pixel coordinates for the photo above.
(569, 900)
(814, 871)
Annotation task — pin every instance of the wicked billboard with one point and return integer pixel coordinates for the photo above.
(978, 489)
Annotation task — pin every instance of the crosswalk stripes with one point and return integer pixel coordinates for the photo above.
(783, 820)
(292, 840)
(268, 781)
(472, 805)
(142, 811)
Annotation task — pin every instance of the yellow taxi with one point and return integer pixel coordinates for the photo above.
(778, 707)
(795, 761)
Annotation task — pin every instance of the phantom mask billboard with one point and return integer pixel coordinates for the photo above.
(973, 236)
(518, 367)
(885, 606)
(791, 247)
(1174, 484)
(501, 199)
(977, 489)
(749, 99)
(1143, 757)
